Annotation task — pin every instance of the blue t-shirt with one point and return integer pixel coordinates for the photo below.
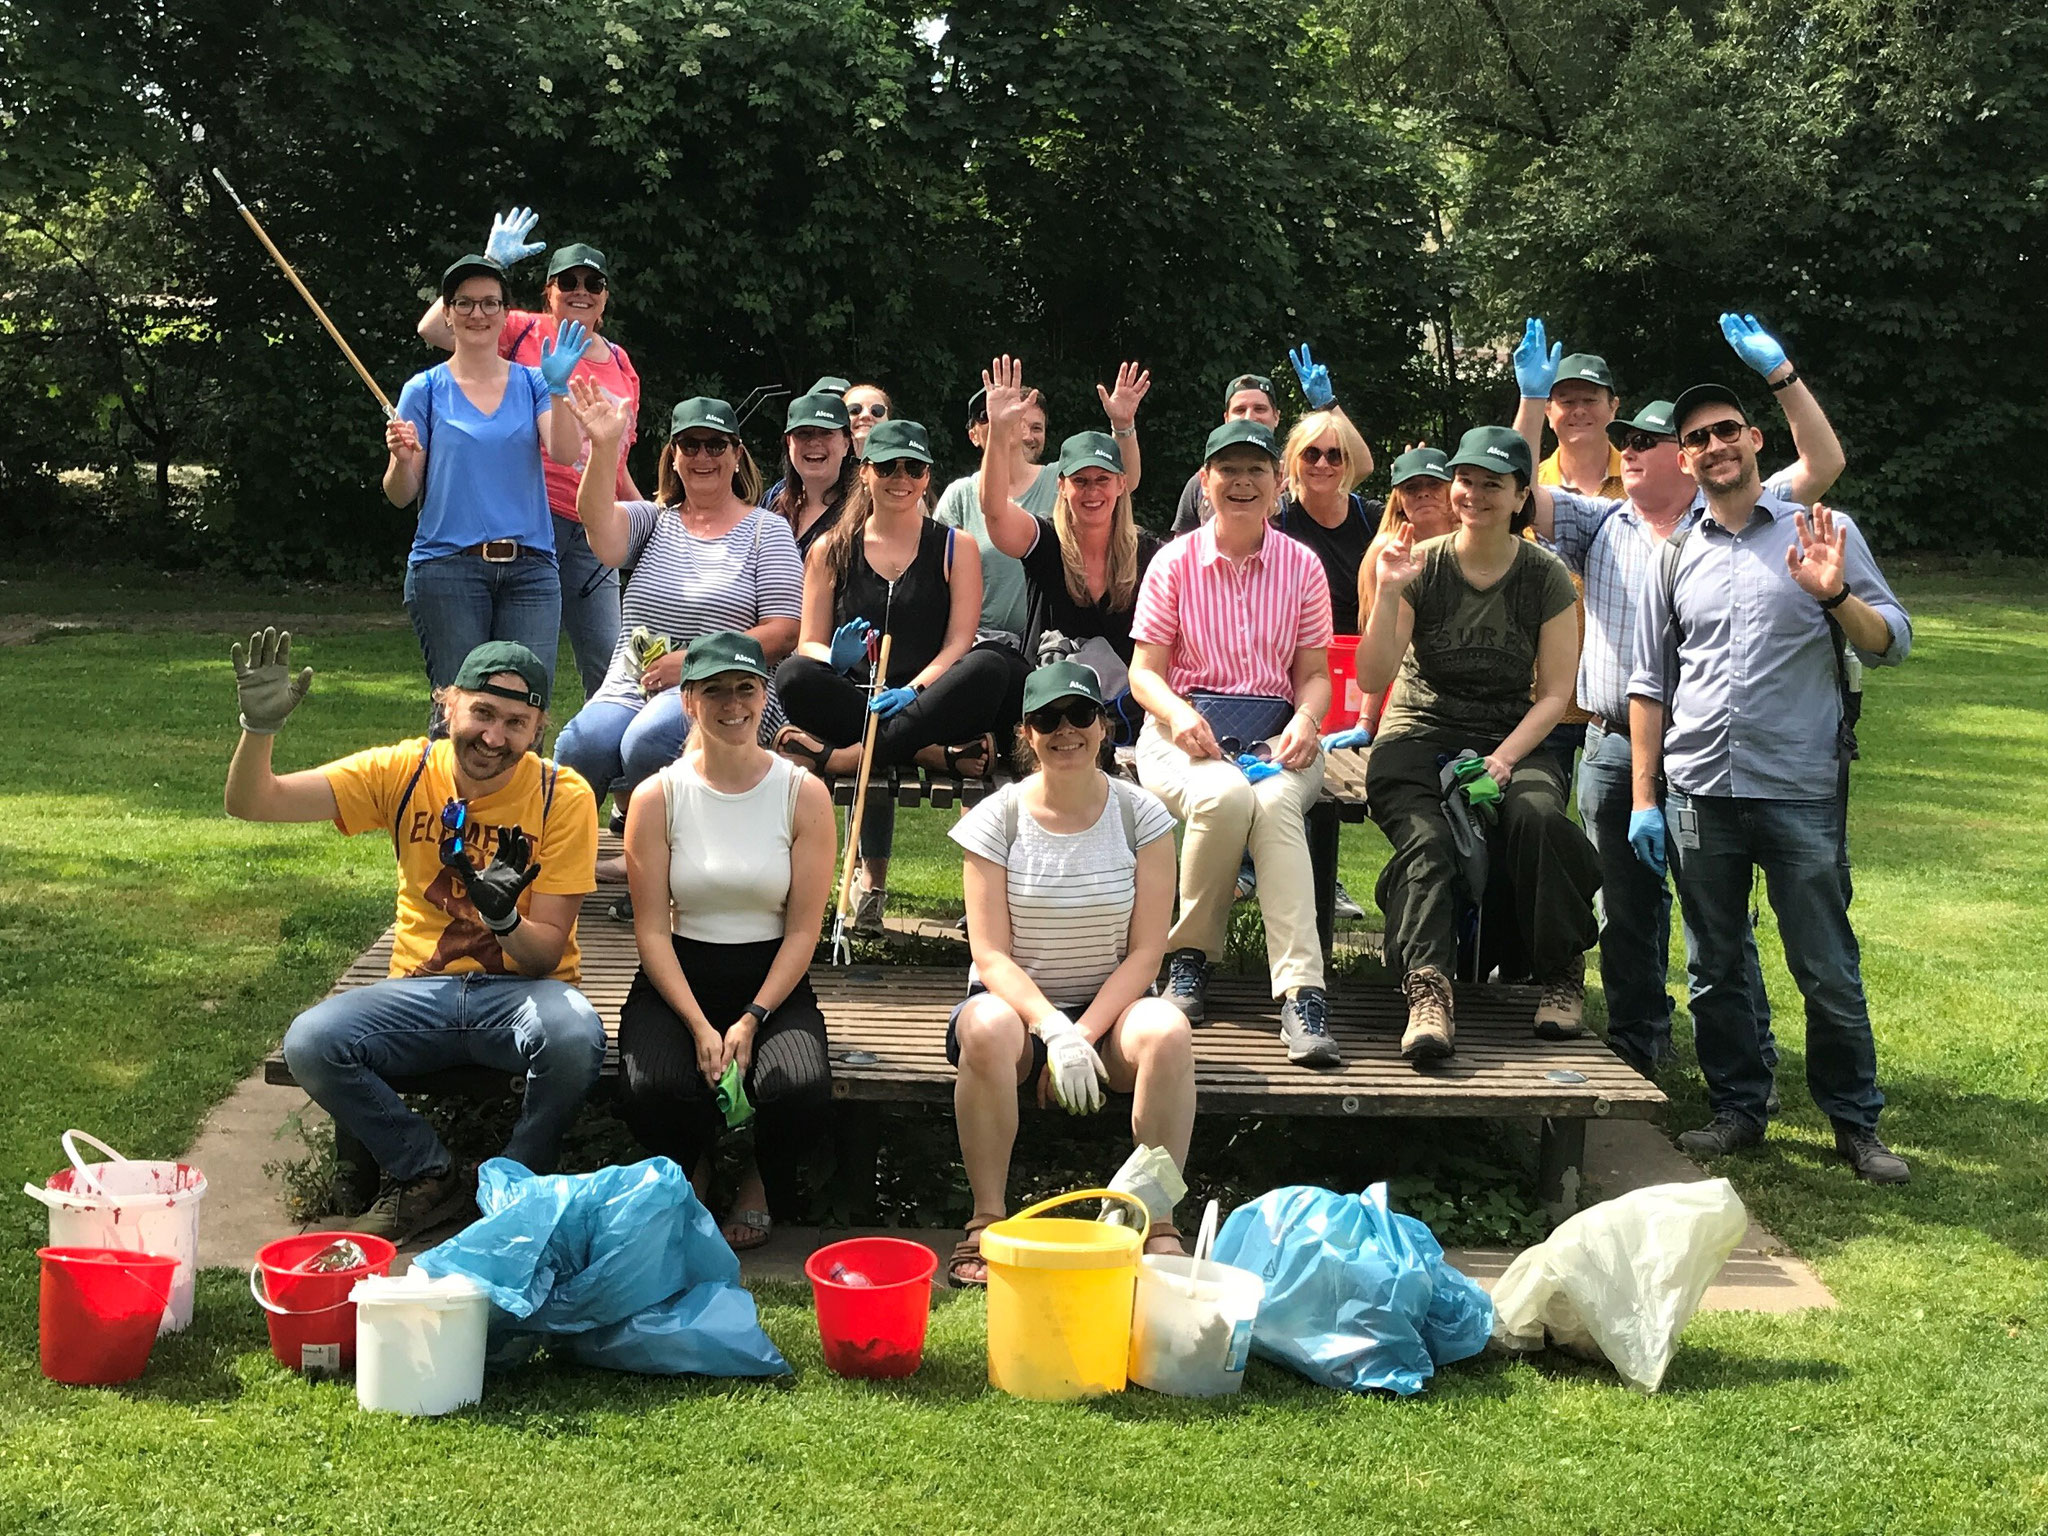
(484, 476)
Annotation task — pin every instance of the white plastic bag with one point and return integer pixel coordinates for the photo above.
(1622, 1279)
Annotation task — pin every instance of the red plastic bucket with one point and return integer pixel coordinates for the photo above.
(876, 1328)
(99, 1312)
(312, 1321)
(1345, 699)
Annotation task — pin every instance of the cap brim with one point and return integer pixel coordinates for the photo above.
(1438, 472)
(890, 455)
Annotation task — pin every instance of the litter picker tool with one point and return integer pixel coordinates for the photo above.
(390, 412)
(758, 398)
(842, 952)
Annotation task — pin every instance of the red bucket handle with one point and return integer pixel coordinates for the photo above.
(162, 1298)
(263, 1301)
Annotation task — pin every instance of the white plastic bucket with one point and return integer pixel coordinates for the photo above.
(138, 1207)
(419, 1343)
(1191, 1325)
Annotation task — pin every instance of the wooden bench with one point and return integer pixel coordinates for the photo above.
(887, 1028)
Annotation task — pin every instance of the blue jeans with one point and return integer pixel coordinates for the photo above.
(590, 604)
(1716, 843)
(609, 741)
(1635, 916)
(344, 1050)
(457, 602)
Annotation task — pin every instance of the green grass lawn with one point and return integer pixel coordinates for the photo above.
(151, 951)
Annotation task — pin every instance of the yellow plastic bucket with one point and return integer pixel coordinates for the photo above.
(1059, 1300)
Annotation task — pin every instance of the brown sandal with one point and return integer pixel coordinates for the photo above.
(789, 743)
(1167, 1231)
(968, 1251)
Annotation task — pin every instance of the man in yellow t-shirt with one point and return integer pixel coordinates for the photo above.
(496, 849)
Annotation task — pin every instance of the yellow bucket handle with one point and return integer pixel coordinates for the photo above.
(1144, 1211)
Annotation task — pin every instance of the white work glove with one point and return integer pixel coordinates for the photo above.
(1077, 1072)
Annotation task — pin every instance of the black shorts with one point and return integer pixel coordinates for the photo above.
(975, 990)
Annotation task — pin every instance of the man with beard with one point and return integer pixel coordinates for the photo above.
(1741, 737)
(496, 849)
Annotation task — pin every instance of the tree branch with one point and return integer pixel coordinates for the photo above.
(1507, 42)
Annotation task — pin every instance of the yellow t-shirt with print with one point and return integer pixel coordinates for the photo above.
(439, 932)
(1551, 472)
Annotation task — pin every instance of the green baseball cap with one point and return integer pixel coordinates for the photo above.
(897, 438)
(1659, 418)
(1420, 463)
(1231, 433)
(1090, 450)
(1256, 381)
(1705, 394)
(577, 256)
(703, 411)
(1587, 367)
(496, 657)
(830, 384)
(724, 650)
(1061, 680)
(466, 267)
(1500, 449)
(816, 410)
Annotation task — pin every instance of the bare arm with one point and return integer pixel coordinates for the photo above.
(535, 946)
(987, 887)
(256, 793)
(814, 631)
(1646, 750)
(814, 838)
(1310, 675)
(1183, 722)
(777, 638)
(606, 522)
(558, 432)
(1391, 624)
(1821, 460)
(434, 328)
(1120, 405)
(647, 865)
(1145, 948)
(965, 616)
(407, 466)
(1010, 528)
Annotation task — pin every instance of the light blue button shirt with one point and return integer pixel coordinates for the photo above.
(1753, 707)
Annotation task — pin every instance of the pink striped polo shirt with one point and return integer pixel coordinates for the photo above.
(1231, 628)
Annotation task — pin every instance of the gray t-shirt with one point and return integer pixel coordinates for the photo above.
(1194, 509)
(1005, 602)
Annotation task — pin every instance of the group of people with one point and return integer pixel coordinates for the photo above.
(764, 628)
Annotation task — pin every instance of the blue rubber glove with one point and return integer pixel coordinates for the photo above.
(850, 645)
(1254, 770)
(508, 245)
(1753, 344)
(558, 358)
(891, 702)
(1646, 837)
(1536, 361)
(1315, 378)
(1344, 741)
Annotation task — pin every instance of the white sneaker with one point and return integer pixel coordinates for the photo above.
(867, 911)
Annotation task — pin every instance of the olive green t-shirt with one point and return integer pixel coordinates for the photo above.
(1467, 669)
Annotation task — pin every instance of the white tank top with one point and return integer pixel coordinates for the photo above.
(728, 860)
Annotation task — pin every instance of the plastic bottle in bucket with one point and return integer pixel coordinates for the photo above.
(99, 1310)
(419, 1342)
(1191, 1325)
(1059, 1300)
(304, 1294)
(140, 1207)
(874, 1296)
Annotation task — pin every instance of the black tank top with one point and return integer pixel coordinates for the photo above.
(917, 615)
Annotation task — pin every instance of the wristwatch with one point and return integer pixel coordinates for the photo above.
(760, 1014)
(1786, 382)
(1123, 431)
(1827, 604)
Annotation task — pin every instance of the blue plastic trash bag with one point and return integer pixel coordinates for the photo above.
(622, 1268)
(1357, 1297)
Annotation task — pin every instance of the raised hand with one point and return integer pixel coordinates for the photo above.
(604, 420)
(558, 358)
(1398, 563)
(1536, 360)
(403, 439)
(1753, 344)
(1003, 380)
(508, 245)
(850, 644)
(495, 892)
(264, 684)
(1121, 404)
(1819, 562)
(1314, 377)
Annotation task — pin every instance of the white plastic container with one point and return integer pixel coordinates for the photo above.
(138, 1207)
(1191, 1326)
(419, 1343)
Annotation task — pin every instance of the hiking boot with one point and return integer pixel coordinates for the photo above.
(1561, 1010)
(1431, 1028)
(1727, 1133)
(1345, 907)
(1872, 1159)
(1187, 984)
(403, 1211)
(867, 910)
(1305, 1029)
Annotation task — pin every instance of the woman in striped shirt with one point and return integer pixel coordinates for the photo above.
(1069, 880)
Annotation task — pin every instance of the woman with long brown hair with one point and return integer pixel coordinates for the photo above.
(819, 467)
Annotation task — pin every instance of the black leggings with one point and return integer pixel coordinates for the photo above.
(673, 1112)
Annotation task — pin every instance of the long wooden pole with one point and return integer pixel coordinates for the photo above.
(314, 304)
(860, 792)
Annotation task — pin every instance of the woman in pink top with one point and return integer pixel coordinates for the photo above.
(578, 288)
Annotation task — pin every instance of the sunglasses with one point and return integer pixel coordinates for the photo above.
(477, 306)
(1323, 456)
(712, 447)
(1640, 442)
(1079, 713)
(1719, 431)
(890, 469)
(454, 829)
(876, 410)
(1234, 747)
(581, 282)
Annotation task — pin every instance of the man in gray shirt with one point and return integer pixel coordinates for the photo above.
(1740, 741)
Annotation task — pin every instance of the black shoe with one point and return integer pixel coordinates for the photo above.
(1305, 1029)
(1771, 1104)
(1872, 1159)
(1187, 984)
(618, 822)
(1728, 1133)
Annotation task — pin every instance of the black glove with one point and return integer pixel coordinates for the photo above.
(495, 892)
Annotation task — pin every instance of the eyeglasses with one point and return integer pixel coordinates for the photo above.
(889, 469)
(1643, 442)
(454, 829)
(875, 409)
(1079, 713)
(710, 447)
(1719, 431)
(477, 306)
(1323, 456)
(581, 282)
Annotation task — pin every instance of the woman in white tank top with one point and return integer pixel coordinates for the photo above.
(729, 854)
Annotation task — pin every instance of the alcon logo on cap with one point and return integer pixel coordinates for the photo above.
(1498, 453)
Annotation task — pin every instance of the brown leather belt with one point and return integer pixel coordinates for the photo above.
(496, 551)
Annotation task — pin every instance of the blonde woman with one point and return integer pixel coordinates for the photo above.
(1323, 463)
(1421, 500)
